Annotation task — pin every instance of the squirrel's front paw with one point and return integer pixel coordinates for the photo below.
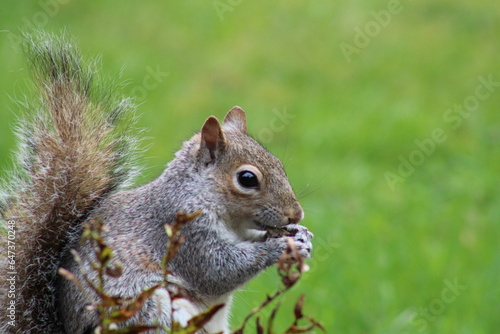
(302, 239)
(277, 241)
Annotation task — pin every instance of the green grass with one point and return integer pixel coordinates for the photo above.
(382, 254)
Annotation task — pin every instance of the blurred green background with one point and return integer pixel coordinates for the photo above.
(381, 112)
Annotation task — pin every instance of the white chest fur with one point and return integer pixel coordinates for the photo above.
(185, 309)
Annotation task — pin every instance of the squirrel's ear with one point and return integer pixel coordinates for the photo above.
(212, 140)
(236, 120)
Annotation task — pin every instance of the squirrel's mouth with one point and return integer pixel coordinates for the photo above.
(260, 230)
(260, 226)
(275, 231)
(264, 227)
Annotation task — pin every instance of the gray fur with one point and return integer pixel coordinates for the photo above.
(72, 153)
(214, 261)
(225, 247)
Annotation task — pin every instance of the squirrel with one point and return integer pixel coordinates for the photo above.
(76, 165)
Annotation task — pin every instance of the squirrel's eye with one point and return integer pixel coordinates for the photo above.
(248, 179)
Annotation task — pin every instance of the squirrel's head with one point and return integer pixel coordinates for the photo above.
(250, 180)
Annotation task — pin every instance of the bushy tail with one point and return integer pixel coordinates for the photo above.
(75, 149)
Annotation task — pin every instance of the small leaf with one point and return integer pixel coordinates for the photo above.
(131, 308)
(109, 301)
(260, 329)
(316, 324)
(132, 329)
(105, 256)
(168, 230)
(76, 256)
(116, 271)
(197, 322)
(70, 276)
(298, 307)
(270, 322)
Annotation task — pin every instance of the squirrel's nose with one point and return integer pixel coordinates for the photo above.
(295, 214)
